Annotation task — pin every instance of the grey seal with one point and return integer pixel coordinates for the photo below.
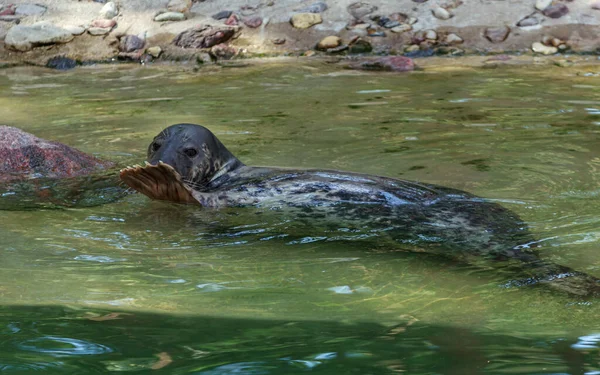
(186, 163)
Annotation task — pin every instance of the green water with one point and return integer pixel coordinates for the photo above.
(154, 287)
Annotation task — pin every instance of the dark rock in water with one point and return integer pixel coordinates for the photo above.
(222, 52)
(61, 63)
(203, 37)
(556, 11)
(253, 22)
(388, 63)
(428, 52)
(26, 156)
(224, 14)
(360, 46)
(319, 7)
(130, 43)
(131, 56)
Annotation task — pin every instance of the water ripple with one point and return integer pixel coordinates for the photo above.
(63, 346)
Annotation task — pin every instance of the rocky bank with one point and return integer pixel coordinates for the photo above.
(61, 33)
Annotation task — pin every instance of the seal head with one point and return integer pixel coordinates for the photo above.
(194, 152)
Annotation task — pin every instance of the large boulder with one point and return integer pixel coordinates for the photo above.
(26, 156)
(25, 38)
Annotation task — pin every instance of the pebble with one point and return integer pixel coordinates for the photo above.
(530, 20)
(328, 42)
(109, 10)
(24, 38)
(542, 4)
(154, 51)
(430, 34)
(556, 10)
(402, 28)
(391, 24)
(223, 52)
(278, 41)
(103, 23)
(224, 14)
(400, 17)
(361, 9)
(374, 33)
(319, 7)
(253, 22)
(441, 13)
(169, 16)
(412, 48)
(538, 47)
(98, 31)
(179, 6)
(75, 30)
(497, 34)
(388, 63)
(360, 45)
(453, 39)
(305, 20)
(411, 20)
(233, 20)
(130, 43)
(30, 10)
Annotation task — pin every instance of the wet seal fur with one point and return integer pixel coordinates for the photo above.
(188, 164)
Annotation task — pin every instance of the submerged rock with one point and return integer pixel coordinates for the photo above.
(388, 63)
(203, 37)
(305, 20)
(24, 38)
(61, 63)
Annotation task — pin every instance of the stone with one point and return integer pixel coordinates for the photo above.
(441, 13)
(278, 41)
(253, 22)
(109, 11)
(233, 20)
(133, 56)
(203, 37)
(338, 49)
(528, 21)
(388, 63)
(96, 31)
(453, 39)
(411, 20)
(154, 51)
(375, 33)
(169, 16)
(8, 11)
(319, 7)
(542, 4)
(360, 9)
(328, 42)
(309, 53)
(556, 10)
(61, 63)
(24, 38)
(305, 20)
(179, 6)
(103, 24)
(222, 52)
(75, 30)
(412, 48)
(130, 43)
(224, 14)
(391, 24)
(431, 35)
(402, 28)
(360, 46)
(30, 10)
(497, 34)
(400, 17)
(538, 47)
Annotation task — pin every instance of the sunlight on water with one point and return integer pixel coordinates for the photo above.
(139, 285)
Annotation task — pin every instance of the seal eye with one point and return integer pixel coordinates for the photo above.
(154, 146)
(191, 152)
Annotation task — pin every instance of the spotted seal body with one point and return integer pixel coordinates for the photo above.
(188, 164)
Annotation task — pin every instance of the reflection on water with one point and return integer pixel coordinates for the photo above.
(290, 299)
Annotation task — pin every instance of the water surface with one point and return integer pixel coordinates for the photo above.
(138, 285)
